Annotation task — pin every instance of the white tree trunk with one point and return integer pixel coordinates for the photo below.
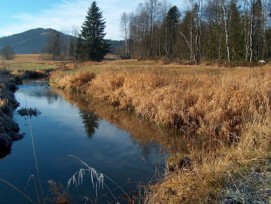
(224, 16)
(250, 38)
(192, 56)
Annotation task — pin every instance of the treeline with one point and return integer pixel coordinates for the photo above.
(60, 46)
(228, 30)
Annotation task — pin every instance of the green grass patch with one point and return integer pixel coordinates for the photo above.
(30, 66)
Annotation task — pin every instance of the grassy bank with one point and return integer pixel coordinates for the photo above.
(228, 109)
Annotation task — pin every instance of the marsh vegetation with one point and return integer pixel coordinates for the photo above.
(217, 120)
(226, 109)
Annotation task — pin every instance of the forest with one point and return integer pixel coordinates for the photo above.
(204, 30)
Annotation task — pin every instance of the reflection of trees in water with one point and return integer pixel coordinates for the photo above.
(149, 138)
(41, 90)
(149, 148)
(90, 121)
(52, 97)
(5, 147)
(4, 152)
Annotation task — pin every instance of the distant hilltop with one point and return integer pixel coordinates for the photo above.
(35, 41)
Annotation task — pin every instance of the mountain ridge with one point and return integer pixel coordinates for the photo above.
(35, 41)
(27, 42)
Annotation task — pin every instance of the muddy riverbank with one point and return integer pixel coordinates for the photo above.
(8, 127)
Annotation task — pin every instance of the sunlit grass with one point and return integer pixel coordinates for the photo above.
(227, 106)
(28, 62)
(30, 66)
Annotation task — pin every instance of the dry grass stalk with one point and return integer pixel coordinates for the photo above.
(16, 189)
(97, 179)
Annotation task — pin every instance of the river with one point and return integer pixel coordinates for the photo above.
(114, 143)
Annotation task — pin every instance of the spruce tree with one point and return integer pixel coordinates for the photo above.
(95, 46)
(236, 36)
(172, 20)
(56, 46)
(257, 30)
(80, 53)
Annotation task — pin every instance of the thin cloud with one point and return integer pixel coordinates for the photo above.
(67, 14)
(61, 16)
(64, 16)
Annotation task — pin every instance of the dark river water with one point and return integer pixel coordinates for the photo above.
(114, 143)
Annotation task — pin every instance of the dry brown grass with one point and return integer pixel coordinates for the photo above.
(27, 58)
(76, 82)
(229, 106)
(213, 105)
(214, 174)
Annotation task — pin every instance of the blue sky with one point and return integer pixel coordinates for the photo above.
(20, 15)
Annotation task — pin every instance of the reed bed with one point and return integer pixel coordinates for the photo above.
(231, 107)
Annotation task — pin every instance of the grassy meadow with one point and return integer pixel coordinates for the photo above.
(227, 109)
(28, 62)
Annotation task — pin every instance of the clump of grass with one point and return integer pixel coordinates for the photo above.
(75, 82)
(29, 112)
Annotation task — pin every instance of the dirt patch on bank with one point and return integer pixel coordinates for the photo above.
(8, 128)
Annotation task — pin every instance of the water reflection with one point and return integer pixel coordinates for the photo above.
(40, 89)
(5, 149)
(52, 97)
(122, 146)
(142, 133)
(90, 121)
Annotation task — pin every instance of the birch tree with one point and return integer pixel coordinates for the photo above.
(124, 25)
(226, 28)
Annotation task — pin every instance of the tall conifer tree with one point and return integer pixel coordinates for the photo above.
(257, 30)
(95, 46)
(172, 20)
(236, 35)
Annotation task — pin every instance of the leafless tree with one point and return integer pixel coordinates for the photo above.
(124, 26)
(226, 28)
(7, 53)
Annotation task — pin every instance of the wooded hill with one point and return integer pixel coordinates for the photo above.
(37, 40)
